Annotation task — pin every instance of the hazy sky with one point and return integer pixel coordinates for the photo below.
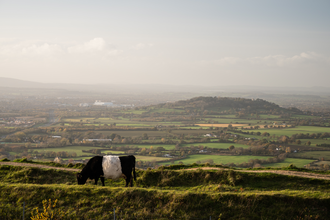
(187, 42)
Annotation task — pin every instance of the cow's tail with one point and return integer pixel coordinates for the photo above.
(134, 174)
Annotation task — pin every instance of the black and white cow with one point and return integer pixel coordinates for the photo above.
(110, 167)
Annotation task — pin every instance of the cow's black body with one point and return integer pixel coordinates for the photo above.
(94, 170)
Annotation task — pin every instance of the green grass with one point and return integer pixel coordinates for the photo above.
(218, 159)
(172, 146)
(76, 149)
(305, 116)
(315, 141)
(218, 145)
(136, 133)
(161, 110)
(234, 121)
(296, 130)
(147, 158)
(120, 121)
(166, 194)
(112, 152)
(135, 112)
(135, 125)
(288, 161)
(203, 131)
(196, 127)
(314, 154)
(147, 146)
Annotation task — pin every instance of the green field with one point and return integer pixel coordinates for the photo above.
(296, 130)
(161, 110)
(172, 146)
(135, 112)
(196, 127)
(135, 125)
(304, 116)
(323, 162)
(161, 133)
(314, 154)
(76, 149)
(112, 152)
(231, 121)
(146, 158)
(216, 159)
(120, 121)
(288, 161)
(315, 141)
(136, 133)
(218, 145)
(147, 146)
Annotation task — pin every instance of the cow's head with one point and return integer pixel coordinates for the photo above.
(81, 179)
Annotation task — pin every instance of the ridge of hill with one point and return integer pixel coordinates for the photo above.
(223, 104)
(166, 194)
(255, 91)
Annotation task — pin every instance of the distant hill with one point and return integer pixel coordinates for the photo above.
(17, 83)
(251, 91)
(226, 104)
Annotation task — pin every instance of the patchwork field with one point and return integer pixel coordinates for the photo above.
(219, 145)
(220, 125)
(315, 141)
(76, 149)
(288, 161)
(314, 154)
(323, 162)
(216, 159)
(136, 133)
(172, 146)
(147, 158)
(296, 130)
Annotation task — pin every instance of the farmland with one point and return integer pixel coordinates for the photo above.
(288, 161)
(295, 130)
(186, 131)
(209, 149)
(217, 159)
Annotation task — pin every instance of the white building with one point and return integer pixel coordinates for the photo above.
(84, 105)
(97, 140)
(99, 103)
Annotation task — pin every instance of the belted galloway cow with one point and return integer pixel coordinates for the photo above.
(110, 167)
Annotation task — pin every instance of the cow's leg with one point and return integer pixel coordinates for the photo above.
(127, 182)
(131, 182)
(96, 179)
(102, 180)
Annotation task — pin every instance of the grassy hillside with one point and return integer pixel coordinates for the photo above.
(166, 194)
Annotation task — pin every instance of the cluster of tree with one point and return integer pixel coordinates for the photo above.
(268, 149)
(310, 136)
(8, 130)
(27, 150)
(52, 154)
(322, 145)
(146, 164)
(92, 151)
